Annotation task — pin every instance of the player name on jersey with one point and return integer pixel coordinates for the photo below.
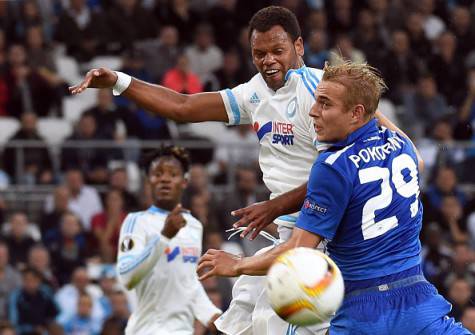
(377, 152)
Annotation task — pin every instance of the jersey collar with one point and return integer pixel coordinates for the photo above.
(155, 209)
(370, 128)
(298, 71)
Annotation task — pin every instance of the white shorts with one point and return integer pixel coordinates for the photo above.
(250, 313)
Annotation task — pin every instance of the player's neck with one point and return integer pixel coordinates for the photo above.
(166, 205)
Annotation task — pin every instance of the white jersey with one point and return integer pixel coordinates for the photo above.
(288, 145)
(162, 273)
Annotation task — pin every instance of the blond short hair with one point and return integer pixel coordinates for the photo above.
(364, 84)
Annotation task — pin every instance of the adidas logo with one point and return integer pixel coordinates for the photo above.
(254, 99)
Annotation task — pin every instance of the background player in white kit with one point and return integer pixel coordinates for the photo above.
(276, 101)
(158, 253)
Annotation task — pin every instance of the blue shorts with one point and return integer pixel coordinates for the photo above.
(406, 306)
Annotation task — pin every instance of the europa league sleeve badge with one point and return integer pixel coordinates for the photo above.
(127, 244)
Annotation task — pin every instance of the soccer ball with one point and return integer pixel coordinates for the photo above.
(305, 287)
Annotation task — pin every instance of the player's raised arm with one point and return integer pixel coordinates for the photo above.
(157, 99)
(137, 256)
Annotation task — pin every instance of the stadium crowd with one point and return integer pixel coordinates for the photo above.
(56, 266)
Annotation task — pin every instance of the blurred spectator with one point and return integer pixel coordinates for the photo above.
(402, 72)
(316, 20)
(243, 195)
(109, 285)
(198, 184)
(448, 68)
(227, 18)
(462, 27)
(201, 209)
(111, 119)
(445, 184)
(84, 200)
(462, 264)
(425, 105)
(30, 16)
(452, 219)
(4, 94)
(181, 78)
(39, 54)
(465, 128)
(39, 259)
(82, 322)
(177, 13)
(227, 156)
(468, 318)
(341, 16)
(433, 25)
(67, 297)
(36, 166)
(419, 43)
(19, 240)
(50, 221)
(344, 51)
(229, 75)
(118, 180)
(6, 328)
(129, 21)
(10, 279)
(106, 225)
(459, 294)
(7, 19)
(367, 37)
(438, 149)
(92, 161)
(32, 308)
(160, 54)
(30, 90)
(68, 248)
(245, 58)
(203, 55)
(435, 254)
(82, 30)
(316, 49)
(115, 324)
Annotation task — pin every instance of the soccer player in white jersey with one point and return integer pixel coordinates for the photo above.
(158, 252)
(276, 101)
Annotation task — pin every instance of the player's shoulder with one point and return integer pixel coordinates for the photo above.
(132, 222)
(318, 73)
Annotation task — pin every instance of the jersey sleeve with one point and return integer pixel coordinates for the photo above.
(203, 308)
(328, 194)
(235, 104)
(137, 252)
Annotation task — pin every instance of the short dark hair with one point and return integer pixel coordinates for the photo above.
(271, 16)
(179, 153)
(32, 271)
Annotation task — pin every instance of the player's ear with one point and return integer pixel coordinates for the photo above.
(298, 44)
(358, 114)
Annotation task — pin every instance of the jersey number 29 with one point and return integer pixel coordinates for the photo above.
(372, 228)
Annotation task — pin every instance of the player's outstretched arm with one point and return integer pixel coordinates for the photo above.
(221, 263)
(158, 99)
(259, 215)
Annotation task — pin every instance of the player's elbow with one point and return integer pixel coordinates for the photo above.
(184, 111)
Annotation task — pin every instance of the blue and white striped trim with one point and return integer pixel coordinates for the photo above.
(309, 79)
(288, 218)
(291, 330)
(234, 106)
(127, 263)
(129, 222)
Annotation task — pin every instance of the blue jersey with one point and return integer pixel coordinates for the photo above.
(363, 197)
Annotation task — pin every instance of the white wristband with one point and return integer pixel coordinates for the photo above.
(122, 83)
